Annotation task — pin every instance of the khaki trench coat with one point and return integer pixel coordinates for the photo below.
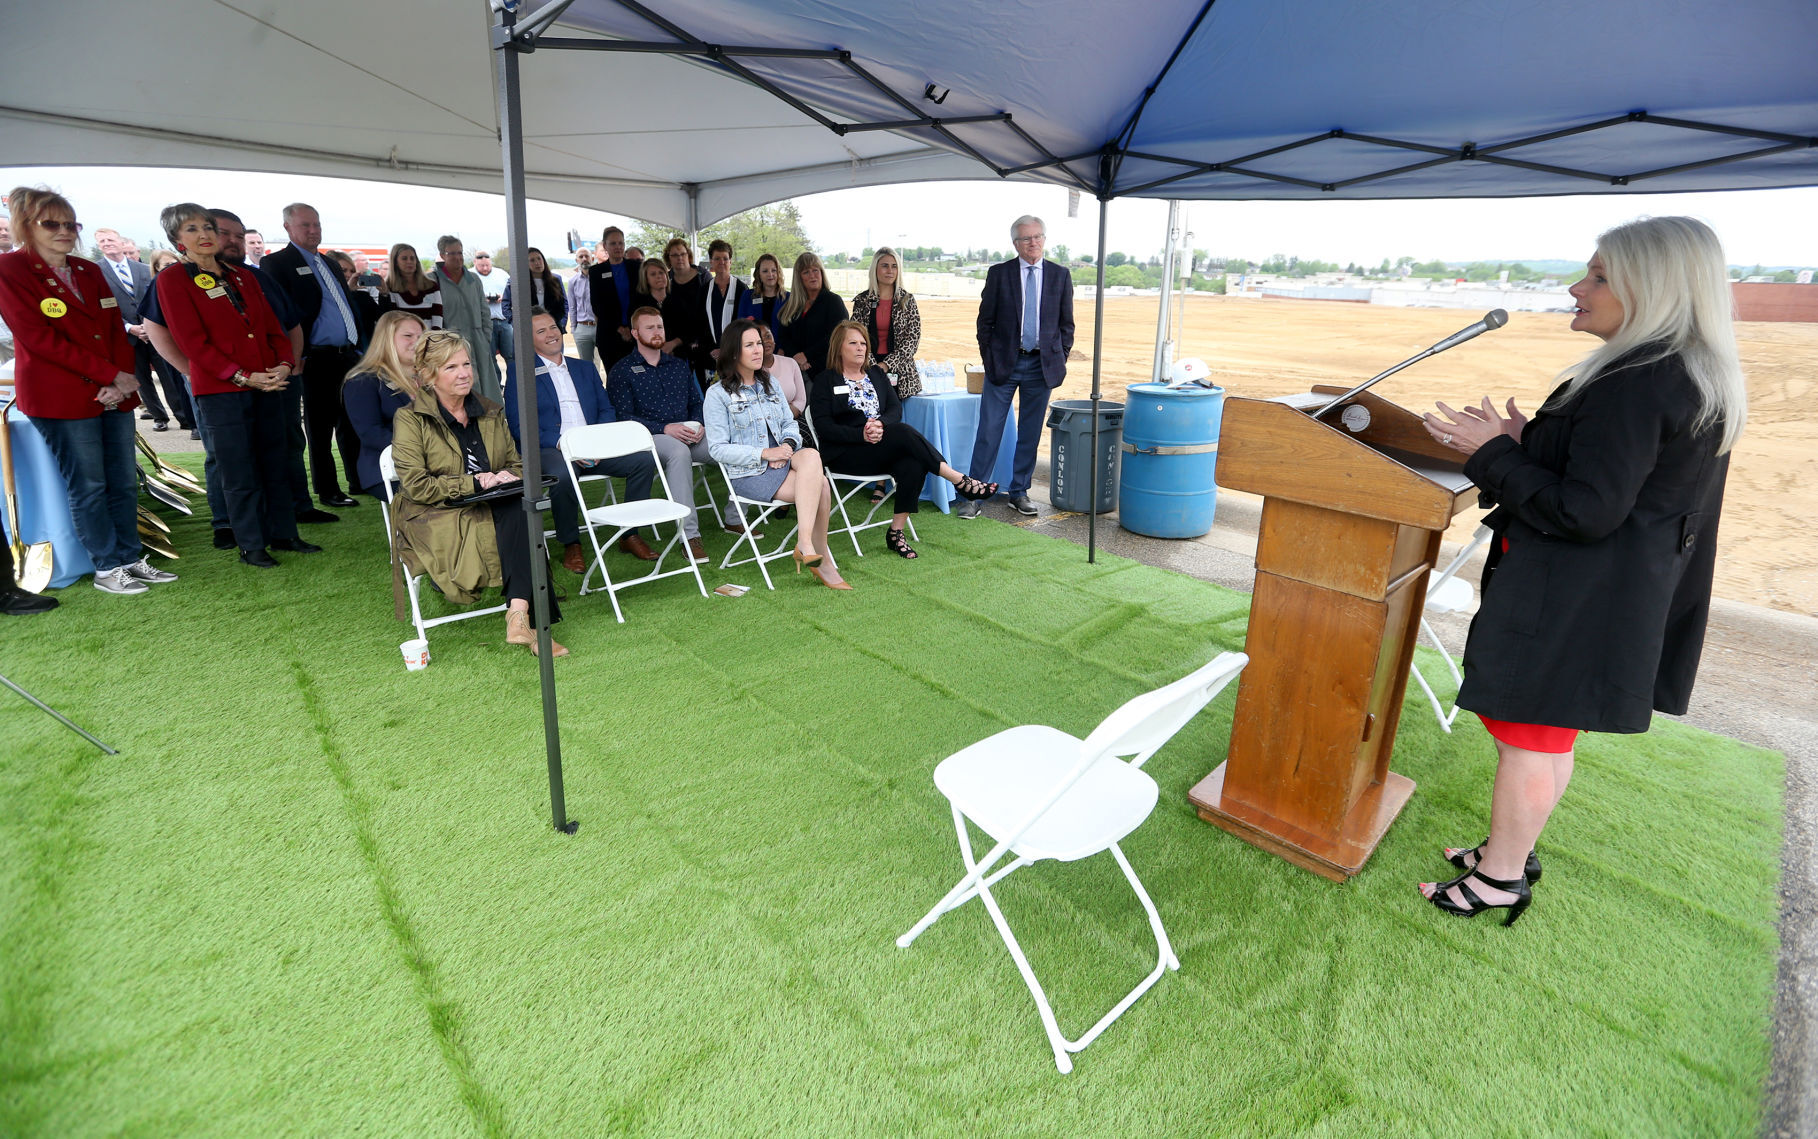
(455, 547)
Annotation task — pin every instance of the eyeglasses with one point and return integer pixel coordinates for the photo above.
(54, 226)
(1031, 237)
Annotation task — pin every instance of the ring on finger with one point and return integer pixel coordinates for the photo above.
(1446, 439)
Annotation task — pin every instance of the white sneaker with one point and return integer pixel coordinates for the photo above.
(118, 581)
(143, 570)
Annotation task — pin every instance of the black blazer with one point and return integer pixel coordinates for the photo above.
(1000, 321)
(305, 295)
(603, 293)
(836, 422)
(1596, 614)
(809, 332)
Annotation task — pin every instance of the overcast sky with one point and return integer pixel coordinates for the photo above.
(1770, 227)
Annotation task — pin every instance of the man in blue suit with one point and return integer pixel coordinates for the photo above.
(1025, 331)
(569, 395)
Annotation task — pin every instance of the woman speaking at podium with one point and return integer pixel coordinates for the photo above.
(1598, 581)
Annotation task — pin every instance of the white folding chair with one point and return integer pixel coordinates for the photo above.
(388, 474)
(858, 482)
(752, 526)
(1447, 593)
(1043, 794)
(609, 495)
(608, 441)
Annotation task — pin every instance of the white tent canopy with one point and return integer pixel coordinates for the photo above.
(1245, 98)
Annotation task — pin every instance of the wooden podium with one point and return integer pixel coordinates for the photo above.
(1354, 506)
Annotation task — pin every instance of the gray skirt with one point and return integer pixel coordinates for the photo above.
(763, 485)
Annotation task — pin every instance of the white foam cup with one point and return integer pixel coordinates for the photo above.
(416, 654)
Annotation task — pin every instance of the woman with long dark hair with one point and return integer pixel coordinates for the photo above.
(408, 288)
(764, 303)
(548, 289)
(752, 431)
(1598, 581)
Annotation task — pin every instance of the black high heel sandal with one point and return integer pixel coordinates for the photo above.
(1456, 855)
(1473, 902)
(973, 490)
(898, 545)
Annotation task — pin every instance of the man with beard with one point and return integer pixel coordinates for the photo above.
(658, 390)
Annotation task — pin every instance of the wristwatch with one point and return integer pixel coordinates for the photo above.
(241, 378)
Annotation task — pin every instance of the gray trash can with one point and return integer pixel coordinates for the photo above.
(1070, 454)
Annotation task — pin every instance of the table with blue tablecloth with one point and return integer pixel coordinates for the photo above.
(43, 502)
(949, 420)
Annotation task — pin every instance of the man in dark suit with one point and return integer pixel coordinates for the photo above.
(612, 286)
(131, 282)
(570, 394)
(1025, 331)
(331, 334)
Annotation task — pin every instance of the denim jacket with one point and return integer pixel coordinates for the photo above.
(739, 427)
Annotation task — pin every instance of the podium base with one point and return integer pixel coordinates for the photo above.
(1335, 857)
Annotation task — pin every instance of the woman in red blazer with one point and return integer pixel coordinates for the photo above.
(240, 362)
(74, 374)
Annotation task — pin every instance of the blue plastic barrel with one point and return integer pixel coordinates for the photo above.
(1170, 457)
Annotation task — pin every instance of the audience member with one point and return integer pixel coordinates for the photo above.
(752, 431)
(73, 373)
(380, 385)
(132, 249)
(858, 420)
(408, 289)
(767, 297)
(169, 375)
(787, 375)
(332, 336)
(659, 391)
(892, 321)
(1025, 331)
(722, 300)
(255, 248)
(494, 282)
(570, 394)
(240, 362)
(612, 282)
(580, 308)
(808, 316)
(655, 290)
(448, 443)
(130, 281)
(549, 294)
(364, 277)
(465, 311)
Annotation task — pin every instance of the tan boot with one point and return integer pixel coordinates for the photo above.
(519, 632)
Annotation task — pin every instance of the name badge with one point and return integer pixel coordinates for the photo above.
(216, 292)
(109, 302)
(543, 371)
(843, 389)
(305, 271)
(638, 369)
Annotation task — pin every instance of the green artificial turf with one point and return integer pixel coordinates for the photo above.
(315, 894)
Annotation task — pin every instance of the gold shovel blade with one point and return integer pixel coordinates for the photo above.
(32, 569)
(147, 518)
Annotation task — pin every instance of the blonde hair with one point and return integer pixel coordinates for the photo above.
(382, 359)
(836, 343)
(798, 299)
(396, 282)
(435, 350)
(162, 259)
(27, 204)
(1670, 275)
(896, 291)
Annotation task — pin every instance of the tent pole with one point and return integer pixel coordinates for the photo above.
(1098, 357)
(511, 139)
(1163, 328)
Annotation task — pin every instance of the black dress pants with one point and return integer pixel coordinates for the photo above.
(246, 434)
(325, 422)
(902, 453)
(513, 537)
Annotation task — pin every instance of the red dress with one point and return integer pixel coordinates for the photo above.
(1530, 737)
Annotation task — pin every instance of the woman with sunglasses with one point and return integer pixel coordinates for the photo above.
(74, 372)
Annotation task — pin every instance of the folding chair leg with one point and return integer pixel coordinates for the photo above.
(1439, 712)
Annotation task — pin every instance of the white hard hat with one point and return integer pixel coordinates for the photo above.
(1191, 370)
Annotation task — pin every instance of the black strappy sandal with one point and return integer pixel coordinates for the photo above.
(1457, 856)
(1473, 902)
(898, 545)
(970, 488)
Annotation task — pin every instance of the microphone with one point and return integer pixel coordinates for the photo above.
(1495, 318)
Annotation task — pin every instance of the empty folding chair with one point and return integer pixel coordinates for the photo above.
(388, 475)
(608, 441)
(753, 526)
(1447, 593)
(1043, 794)
(855, 483)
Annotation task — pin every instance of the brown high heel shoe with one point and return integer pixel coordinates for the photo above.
(802, 563)
(830, 584)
